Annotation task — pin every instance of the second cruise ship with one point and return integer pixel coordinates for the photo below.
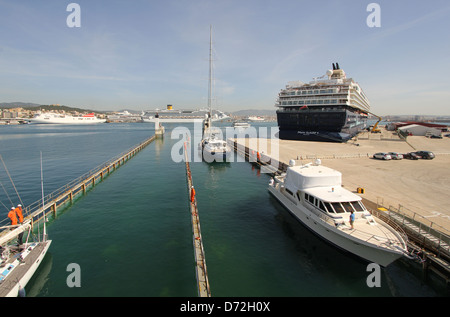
(330, 108)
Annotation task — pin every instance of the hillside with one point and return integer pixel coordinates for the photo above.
(250, 112)
(35, 107)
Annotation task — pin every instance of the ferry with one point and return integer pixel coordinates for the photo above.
(255, 118)
(171, 115)
(241, 125)
(314, 195)
(57, 118)
(329, 108)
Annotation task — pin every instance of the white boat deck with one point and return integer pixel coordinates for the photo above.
(377, 234)
(19, 271)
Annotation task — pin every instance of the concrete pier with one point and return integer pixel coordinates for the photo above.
(413, 186)
(411, 193)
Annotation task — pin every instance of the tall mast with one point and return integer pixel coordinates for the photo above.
(210, 72)
(44, 238)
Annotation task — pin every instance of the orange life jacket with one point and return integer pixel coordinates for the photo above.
(12, 216)
(192, 194)
(18, 211)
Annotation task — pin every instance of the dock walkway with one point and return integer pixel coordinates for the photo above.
(199, 252)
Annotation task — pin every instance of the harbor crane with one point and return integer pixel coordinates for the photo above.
(375, 129)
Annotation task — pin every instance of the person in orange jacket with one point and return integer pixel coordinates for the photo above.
(19, 213)
(192, 194)
(12, 216)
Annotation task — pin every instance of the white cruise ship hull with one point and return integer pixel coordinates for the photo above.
(367, 251)
(180, 120)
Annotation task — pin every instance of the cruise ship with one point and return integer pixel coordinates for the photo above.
(330, 108)
(171, 115)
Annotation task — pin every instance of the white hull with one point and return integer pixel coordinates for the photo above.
(179, 120)
(212, 153)
(216, 156)
(368, 251)
(24, 279)
(65, 119)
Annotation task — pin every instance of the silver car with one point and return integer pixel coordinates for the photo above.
(395, 155)
(382, 156)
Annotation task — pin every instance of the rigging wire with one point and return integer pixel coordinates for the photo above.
(4, 205)
(4, 165)
(6, 193)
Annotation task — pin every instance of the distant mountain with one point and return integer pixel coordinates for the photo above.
(256, 112)
(6, 105)
(35, 107)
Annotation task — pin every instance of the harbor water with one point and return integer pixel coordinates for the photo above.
(131, 234)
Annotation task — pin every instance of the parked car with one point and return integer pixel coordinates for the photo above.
(411, 156)
(435, 137)
(382, 156)
(395, 155)
(426, 154)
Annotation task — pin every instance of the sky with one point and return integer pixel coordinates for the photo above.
(146, 54)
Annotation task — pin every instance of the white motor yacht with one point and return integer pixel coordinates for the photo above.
(314, 195)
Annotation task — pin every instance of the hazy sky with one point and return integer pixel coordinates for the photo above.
(142, 55)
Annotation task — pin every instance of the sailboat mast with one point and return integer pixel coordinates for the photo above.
(210, 72)
(42, 191)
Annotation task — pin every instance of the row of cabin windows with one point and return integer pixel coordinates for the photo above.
(312, 102)
(310, 92)
(338, 207)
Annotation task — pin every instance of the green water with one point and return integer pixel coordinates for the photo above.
(131, 234)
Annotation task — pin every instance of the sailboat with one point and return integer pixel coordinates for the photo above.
(213, 146)
(19, 261)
